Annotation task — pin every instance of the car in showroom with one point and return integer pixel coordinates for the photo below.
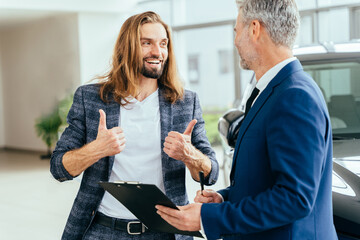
(336, 70)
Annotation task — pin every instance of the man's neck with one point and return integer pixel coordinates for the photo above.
(147, 86)
(269, 58)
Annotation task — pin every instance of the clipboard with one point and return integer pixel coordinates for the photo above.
(140, 199)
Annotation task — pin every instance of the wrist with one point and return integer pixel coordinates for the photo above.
(94, 151)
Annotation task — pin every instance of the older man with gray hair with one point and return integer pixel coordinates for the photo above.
(282, 167)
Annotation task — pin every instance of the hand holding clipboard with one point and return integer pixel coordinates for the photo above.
(140, 199)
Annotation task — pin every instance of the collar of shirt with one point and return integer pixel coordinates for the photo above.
(149, 98)
(271, 73)
(263, 81)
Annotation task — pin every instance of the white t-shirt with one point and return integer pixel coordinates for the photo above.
(141, 159)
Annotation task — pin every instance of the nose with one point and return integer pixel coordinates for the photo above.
(156, 50)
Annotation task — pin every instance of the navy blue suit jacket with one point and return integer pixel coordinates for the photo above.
(83, 119)
(282, 168)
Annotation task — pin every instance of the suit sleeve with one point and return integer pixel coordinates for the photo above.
(224, 193)
(201, 142)
(295, 141)
(72, 138)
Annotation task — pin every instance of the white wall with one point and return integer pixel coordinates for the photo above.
(40, 64)
(97, 37)
(2, 124)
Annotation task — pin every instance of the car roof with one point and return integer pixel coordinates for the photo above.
(328, 52)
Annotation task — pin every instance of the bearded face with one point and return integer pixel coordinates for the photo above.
(154, 46)
(243, 44)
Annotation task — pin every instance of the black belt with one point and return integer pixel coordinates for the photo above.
(131, 227)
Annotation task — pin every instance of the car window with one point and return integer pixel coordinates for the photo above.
(340, 85)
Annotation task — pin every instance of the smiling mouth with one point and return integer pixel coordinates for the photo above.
(153, 61)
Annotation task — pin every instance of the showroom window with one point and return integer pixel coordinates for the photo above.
(161, 7)
(337, 18)
(203, 38)
(202, 11)
(355, 23)
(303, 5)
(209, 50)
(306, 31)
(193, 68)
(225, 61)
(327, 3)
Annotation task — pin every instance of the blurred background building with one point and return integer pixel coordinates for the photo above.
(48, 48)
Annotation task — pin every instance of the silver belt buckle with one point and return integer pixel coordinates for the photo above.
(135, 233)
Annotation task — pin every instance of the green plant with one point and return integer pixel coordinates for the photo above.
(63, 109)
(47, 127)
(211, 127)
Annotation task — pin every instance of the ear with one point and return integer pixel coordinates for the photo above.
(255, 30)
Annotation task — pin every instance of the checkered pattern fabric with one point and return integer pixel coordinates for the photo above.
(83, 119)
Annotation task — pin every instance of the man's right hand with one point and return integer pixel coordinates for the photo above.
(208, 196)
(109, 142)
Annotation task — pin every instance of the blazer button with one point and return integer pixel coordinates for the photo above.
(232, 182)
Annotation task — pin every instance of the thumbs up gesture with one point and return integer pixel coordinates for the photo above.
(178, 146)
(109, 141)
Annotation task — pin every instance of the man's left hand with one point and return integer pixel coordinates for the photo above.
(187, 219)
(178, 146)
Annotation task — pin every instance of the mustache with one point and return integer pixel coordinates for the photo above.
(153, 57)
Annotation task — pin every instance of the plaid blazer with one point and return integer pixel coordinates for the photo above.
(83, 119)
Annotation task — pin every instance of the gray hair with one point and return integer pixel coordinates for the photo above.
(280, 18)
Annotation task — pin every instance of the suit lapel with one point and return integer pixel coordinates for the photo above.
(112, 120)
(284, 73)
(165, 125)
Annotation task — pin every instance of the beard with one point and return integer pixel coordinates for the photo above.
(154, 73)
(245, 51)
(244, 64)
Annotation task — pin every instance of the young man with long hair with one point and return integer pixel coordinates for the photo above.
(136, 124)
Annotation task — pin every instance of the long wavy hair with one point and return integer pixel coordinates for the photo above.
(122, 80)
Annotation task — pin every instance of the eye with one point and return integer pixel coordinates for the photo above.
(164, 44)
(146, 43)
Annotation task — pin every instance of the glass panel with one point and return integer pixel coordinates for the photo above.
(202, 11)
(226, 61)
(206, 64)
(163, 8)
(356, 23)
(326, 3)
(305, 36)
(338, 19)
(193, 68)
(302, 5)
